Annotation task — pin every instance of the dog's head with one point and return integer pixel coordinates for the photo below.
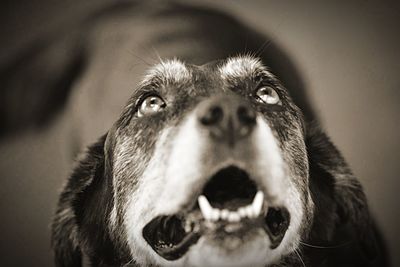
(209, 166)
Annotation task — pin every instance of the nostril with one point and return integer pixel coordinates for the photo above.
(213, 116)
(246, 116)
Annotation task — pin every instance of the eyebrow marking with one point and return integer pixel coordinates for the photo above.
(241, 67)
(167, 72)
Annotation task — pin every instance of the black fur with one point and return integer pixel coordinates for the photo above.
(80, 229)
(342, 220)
(342, 234)
(80, 224)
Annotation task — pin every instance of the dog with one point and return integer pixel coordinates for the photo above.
(216, 159)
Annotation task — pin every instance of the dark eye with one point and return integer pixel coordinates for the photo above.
(150, 105)
(267, 95)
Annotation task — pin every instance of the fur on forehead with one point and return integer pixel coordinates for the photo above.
(241, 67)
(167, 72)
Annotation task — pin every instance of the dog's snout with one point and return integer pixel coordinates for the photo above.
(227, 118)
(246, 116)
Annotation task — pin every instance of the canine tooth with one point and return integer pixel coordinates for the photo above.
(257, 203)
(205, 207)
(242, 212)
(196, 228)
(233, 217)
(215, 214)
(224, 214)
(249, 211)
(188, 227)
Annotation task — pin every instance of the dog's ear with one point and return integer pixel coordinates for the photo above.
(80, 226)
(342, 217)
(36, 81)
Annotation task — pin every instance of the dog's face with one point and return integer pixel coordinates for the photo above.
(209, 167)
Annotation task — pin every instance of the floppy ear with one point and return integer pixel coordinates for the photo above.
(342, 218)
(80, 225)
(34, 85)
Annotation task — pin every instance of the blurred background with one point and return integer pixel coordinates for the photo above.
(348, 53)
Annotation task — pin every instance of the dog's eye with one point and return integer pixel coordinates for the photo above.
(150, 105)
(267, 95)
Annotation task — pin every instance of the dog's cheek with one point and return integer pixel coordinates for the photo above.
(295, 154)
(162, 188)
(288, 184)
(138, 179)
(292, 144)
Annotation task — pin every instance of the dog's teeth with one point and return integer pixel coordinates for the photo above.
(242, 212)
(215, 214)
(233, 216)
(188, 227)
(257, 203)
(196, 228)
(249, 211)
(205, 207)
(224, 214)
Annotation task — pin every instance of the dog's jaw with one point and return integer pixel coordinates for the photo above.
(178, 168)
(165, 178)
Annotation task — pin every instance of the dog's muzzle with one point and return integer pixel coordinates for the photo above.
(229, 202)
(227, 118)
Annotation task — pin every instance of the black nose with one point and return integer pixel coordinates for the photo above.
(228, 118)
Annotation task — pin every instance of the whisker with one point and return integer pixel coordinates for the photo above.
(325, 247)
(154, 59)
(140, 58)
(267, 43)
(128, 263)
(157, 54)
(298, 255)
(245, 44)
(264, 46)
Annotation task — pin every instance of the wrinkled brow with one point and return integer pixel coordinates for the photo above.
(241, 67)
(167, 72)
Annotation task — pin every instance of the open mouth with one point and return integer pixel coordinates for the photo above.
(230, 204)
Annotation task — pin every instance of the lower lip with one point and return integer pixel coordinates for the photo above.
(157, 230)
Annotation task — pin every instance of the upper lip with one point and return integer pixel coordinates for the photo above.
(198, 188)
(183, 229)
